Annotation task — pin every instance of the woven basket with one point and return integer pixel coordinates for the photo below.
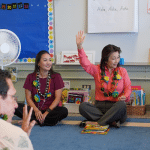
(136, 110)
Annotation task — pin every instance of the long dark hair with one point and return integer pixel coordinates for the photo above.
(37, 60)
(106, 52)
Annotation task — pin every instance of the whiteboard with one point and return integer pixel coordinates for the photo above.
(112, 16)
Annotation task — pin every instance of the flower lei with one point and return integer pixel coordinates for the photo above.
(36, 83)
(112, 92)
(4, 117)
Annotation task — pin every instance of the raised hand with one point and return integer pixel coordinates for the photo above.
(26, 124)
(80, 39)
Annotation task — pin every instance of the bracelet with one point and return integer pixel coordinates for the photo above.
(49, 110)
(79, 47)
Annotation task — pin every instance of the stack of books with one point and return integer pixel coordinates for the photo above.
(137, 96)
(95, 129)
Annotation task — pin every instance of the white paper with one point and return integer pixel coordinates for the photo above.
(112, 16)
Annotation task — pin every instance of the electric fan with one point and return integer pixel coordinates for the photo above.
(10, 47)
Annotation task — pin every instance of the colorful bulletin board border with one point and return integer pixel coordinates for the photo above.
(51, 28)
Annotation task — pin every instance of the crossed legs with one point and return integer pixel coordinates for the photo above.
(104, 112)
(51, 119)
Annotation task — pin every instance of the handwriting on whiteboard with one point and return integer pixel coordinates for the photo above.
(122, 8)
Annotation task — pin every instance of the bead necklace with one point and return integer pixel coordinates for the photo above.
(112, 92)
(47, 93)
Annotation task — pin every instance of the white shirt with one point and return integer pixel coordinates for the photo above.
(13, 137)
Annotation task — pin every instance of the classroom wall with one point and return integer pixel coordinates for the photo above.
(139, 75)
(71, 16)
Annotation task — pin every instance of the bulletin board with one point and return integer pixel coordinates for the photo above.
(32, 25)
(112, 16)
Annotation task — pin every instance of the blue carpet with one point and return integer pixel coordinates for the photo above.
(142, 120)
(69, 137)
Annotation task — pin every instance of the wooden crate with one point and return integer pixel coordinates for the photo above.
(136, 110)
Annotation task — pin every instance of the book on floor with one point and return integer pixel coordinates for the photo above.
(95, 129)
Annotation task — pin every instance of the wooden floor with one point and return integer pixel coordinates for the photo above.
(135, 124)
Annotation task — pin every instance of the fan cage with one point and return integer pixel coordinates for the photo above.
(14, 44)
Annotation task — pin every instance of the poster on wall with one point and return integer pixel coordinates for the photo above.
(72, 58)
(106, 16)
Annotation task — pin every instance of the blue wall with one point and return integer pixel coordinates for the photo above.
(30, 25)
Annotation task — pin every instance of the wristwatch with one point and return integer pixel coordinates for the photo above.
(49, 110)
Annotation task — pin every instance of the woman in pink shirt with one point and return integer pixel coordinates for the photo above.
(112, 86)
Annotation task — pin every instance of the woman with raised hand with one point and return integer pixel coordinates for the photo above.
(43, 89)
(112, 86)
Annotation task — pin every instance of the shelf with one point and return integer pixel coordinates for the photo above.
(139, 78)
(69, 70)
(132, 64)
(72, 78)
(78, 78)
(87, 78)
(27, 63)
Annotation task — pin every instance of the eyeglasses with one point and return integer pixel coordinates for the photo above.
(14, 97)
